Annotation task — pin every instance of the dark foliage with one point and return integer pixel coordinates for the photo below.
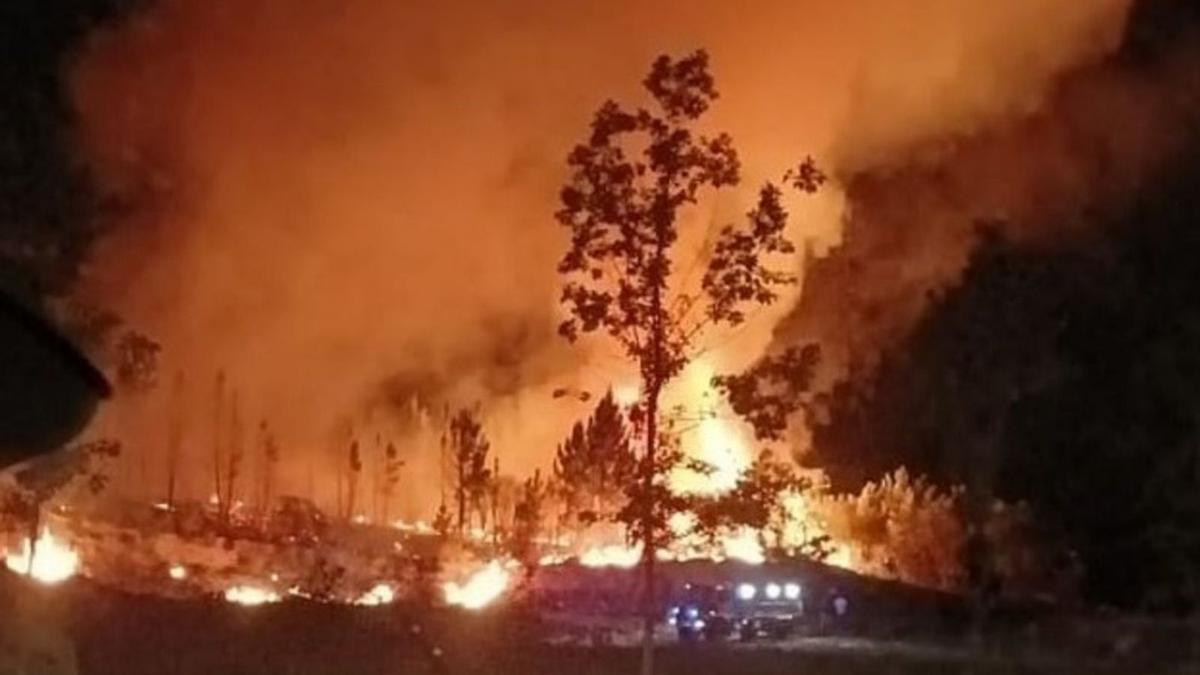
(1070, 376)
(49, 212)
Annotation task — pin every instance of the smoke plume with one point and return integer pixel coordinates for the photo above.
(344, 205)
(1043, 173)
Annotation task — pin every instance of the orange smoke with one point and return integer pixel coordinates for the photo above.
(346, 204)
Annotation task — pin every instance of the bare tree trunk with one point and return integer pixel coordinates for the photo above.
(217, 417)
(174, 438)
(35, 524)
(460, 491)
(649, 545)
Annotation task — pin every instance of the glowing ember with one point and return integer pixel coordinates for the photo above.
(251, 595)
(177, 572)
(381, 594)
(53, 561)
(484, 586)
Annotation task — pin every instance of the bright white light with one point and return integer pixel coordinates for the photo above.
(484, 586)
(773, 591)
(53, 560)
(381, 594)
(611, 556)
(250, 595)
(177, 572)
(746, 591)
(699, 624)
(791, 591)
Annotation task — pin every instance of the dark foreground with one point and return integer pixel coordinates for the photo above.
(102, 632)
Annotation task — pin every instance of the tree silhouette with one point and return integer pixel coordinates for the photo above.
(391, 477)
(630, 181)
(268, 460)
(175, 424)
(757, 501)
(527, 523)
(595, 462)
(469, 453)
(354, 464)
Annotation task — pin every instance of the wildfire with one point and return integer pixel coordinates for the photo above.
(251, 595)
(381, 594)
(717, 442)
(613, 555)
(53, 561)
(480, 589)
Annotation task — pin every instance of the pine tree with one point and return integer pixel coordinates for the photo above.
(595, 463)
(468, 448)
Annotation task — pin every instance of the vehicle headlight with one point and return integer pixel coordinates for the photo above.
(699, 624)
(692, 612)
(773, 591)
(791, 591)
(746, 591)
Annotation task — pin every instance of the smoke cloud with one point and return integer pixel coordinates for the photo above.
(343, 205)
(1046, 172)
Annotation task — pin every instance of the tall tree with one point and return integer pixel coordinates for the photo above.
(392, 464)
(354, 466)
(527, 522)
(468, 448)
(630, 181)
(135, 368)
(175, 424)
(233, 459)
(268, 460)
(218, 452)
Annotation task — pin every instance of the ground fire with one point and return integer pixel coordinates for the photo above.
(561, 337)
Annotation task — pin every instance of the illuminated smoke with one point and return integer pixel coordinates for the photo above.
(346, 204)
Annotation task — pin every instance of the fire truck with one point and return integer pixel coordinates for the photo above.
(745, 610)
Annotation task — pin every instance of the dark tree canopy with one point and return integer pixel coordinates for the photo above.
(49, 212)
(1079, 362)
(595, 463)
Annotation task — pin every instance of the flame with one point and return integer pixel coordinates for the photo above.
(250, 595)
(480, 589)
(613, 555)
(716, 441)
(743, 545)
(381, 594)
(177, 572)
(627, 394)
(418, 527)
(53, 560)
